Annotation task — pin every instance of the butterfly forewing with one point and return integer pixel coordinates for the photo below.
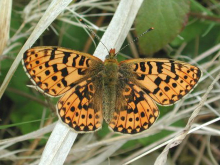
(55, 70)
(165, 81)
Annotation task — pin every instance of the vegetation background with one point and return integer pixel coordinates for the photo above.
(186, 30)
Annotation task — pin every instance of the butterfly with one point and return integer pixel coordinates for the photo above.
(124, 93)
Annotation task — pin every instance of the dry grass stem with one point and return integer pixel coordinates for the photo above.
(5, 19)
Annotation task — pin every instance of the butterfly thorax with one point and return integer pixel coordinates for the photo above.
(111, 69)
(110, 80)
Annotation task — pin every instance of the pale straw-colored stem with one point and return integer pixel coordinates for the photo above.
(5, 19)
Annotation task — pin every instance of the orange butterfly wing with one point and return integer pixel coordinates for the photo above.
(81, 107)
(165, 81)
(55, 70)
(144, 80)
(138, 113)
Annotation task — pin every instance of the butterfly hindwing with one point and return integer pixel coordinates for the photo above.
(55, 70)
(165, 81)
(135, 110)
(81, 107)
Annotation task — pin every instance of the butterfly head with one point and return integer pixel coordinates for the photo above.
(111, 55)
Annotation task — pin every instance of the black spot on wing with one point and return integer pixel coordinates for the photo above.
(47, 72)
(25, 55)
(47, 64)
(81, 62)
(54, 78)
(172, 68)
(66, 56)
(64, 82)
(156, 90)
(159, 67)
(136, 67)
(150, 67)
(64, 72)
(157, 81)
(141, 77)
(52, 56)
(142, 65)
(55, 68)
(176, 78)
(74, 60)
(167, 80)
(81, 71)
(87, 62)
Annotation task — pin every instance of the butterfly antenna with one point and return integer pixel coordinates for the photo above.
(83, 22)
(136, 39)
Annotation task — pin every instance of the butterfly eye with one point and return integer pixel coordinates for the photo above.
(107, 57)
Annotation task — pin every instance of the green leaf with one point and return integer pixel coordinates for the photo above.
(190, 32)
(73, 37)
(153, 138)
(103, 131)
(18, 82)
(29, 112)
(129, 144)
(168, 19)
(193, 34)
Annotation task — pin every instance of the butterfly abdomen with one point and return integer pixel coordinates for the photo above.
(110, 79)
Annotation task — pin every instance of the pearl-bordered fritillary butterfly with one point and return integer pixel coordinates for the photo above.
(123, 93)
